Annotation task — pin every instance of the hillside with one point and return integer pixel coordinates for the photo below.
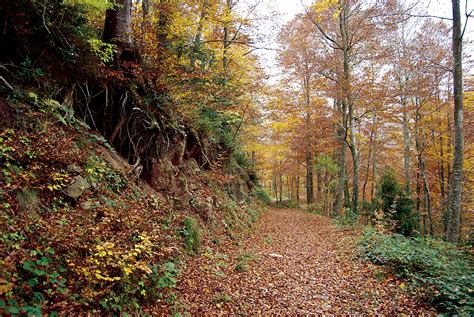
(107, 186)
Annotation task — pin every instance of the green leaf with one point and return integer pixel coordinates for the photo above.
(44, 261)
(12, 310)
(39, 272)
(33, 311)
(33, 282)
(28, 265)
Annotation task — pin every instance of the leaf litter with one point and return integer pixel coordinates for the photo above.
(309, 266)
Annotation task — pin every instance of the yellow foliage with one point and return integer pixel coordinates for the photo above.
(321, 8)
(108, 263)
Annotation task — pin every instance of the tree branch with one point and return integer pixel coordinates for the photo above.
(429, 16)
(468, 15)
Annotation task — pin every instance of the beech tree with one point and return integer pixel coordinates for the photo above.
(118, 22)
(455, 190)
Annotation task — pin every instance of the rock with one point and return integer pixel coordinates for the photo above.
(88, 205)
(78, 187)
(74, 168)
(216, 202)
(182, 200)
(192, 167)
(195, 186)
(204, 210)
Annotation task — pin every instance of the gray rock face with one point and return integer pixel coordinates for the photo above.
(195, 186)
(204, 209)
(78, 187)
(88, 205)
(74, 168)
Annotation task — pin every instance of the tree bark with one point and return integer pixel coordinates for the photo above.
(162, 31)
(367, 168)
(343, 20)
(373, 189)
(341, 135)
(318, 184)
(455, 190)
(298, 190)
(406, 146)
(309, 152)
(117, 26)
(280, 176)
(225, 58)
(197, 39)
(426, 194)
(274, 185)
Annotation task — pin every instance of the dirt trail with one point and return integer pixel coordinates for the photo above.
(297, 263)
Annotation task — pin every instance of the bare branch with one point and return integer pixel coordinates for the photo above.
(429, 16)
(6, 83)
(325, 35)
(468, 15)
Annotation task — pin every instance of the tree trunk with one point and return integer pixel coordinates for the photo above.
(117, 27)
(427, 195)
(197, 39)
(275, 187)
(373, 189)
(309, 152)
(343, 21)
(162, 31)
(406, 146)
(442, 185)
(455, 190)
(419, 170)
(309, 176)
(367, 168)
(341, 135)
(355, 163)
(298, 190)
(281, 183)
(225, 58)
(326, 191)
(318, 184)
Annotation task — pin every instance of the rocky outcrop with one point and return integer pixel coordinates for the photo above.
(78, 187)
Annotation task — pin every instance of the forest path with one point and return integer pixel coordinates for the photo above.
(294, 263)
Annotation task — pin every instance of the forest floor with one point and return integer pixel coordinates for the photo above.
(293, 263)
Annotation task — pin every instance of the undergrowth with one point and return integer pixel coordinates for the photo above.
(262, 195)
(444, 272)
(100, 252)
(192, 235)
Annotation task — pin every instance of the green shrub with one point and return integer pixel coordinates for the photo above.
(397, 208)
(192, 235)
(447, 271)
(97, 171)
(315, 208)
(262, 195)
(218, 125)
(220, 298)
(242, 267)
(348, 218)
(40, 278)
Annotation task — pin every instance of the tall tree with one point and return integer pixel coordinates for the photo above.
(455, 190)
(118, 21)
